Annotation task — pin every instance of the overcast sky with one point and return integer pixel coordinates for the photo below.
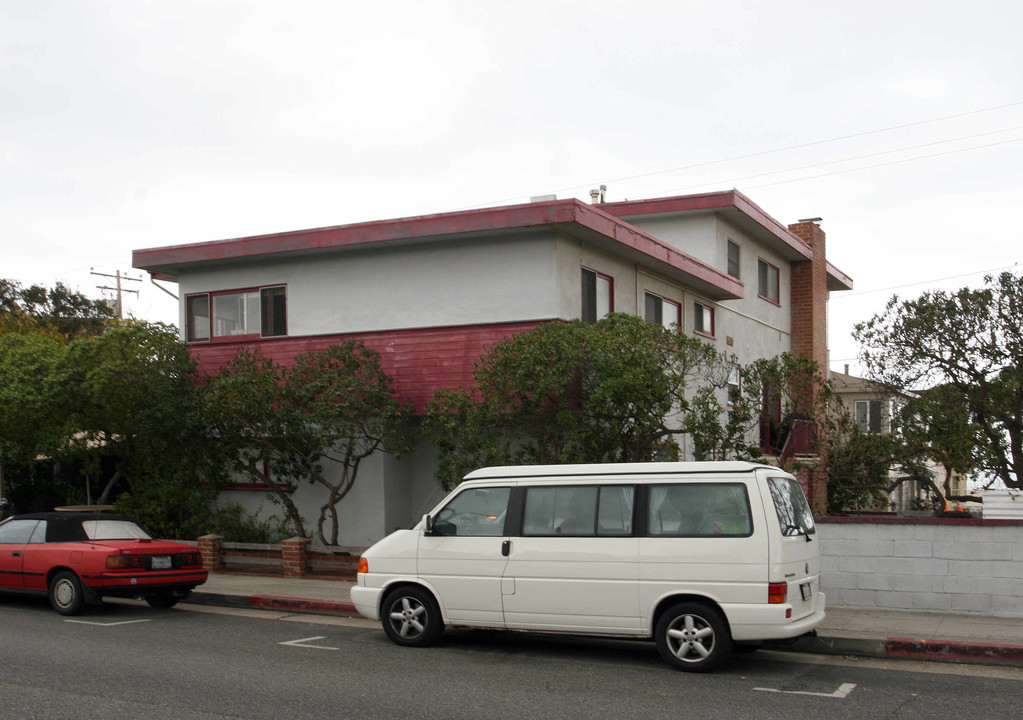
(126, 125)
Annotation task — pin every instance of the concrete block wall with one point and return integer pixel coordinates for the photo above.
(967, 566)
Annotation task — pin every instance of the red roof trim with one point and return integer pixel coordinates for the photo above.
(710, 201)
(513, 217)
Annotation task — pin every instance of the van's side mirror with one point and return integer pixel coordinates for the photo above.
(428, 528)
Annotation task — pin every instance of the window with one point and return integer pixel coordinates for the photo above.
(250, 312)
(197, 318)
(734, 383)
(17, 532)
(585, 511)
(235, 314)
(598, 295)
(273, 311)
(479, 512)
(790, 505)
(733, 259)
(659, 311)
(700, 510)
(703, 319)
(868, 415)
(767, 286)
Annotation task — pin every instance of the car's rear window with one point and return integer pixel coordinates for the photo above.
(794, 515)
(113, 530)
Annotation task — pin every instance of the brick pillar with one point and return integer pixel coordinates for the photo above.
(293, 555)
(810, 333)
(810, 296)
(211, 547)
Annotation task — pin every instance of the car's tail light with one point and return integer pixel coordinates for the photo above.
(363, 565)
(125, 562)
(190, 559)
(777, 593)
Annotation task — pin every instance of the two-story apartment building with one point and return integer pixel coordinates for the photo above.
(429, 293)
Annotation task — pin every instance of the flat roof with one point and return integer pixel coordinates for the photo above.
(737, 208)
(572, 217)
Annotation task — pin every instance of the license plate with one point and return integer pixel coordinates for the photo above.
(161, 562)
(804, 589)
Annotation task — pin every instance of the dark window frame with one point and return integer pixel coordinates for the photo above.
(699, 312)
(765, 271)
(589, 312)
(658, 309)
(733, 265)
(272, 322)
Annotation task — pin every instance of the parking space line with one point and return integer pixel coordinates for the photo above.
(107, 624)
(843, 691)
(303, 643)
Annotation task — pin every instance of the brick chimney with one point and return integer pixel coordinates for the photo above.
(810, 334)
(810, 296)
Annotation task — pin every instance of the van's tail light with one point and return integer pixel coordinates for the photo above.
(777, 593)
(363, 565)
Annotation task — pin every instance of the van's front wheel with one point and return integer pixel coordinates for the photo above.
(411, 617)
(693, 637)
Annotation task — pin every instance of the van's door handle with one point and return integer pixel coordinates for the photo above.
(506, 548)
(16, 554)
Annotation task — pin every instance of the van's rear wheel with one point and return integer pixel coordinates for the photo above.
(411, 617)
(694, 637)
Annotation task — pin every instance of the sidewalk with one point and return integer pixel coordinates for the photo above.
(865, 632)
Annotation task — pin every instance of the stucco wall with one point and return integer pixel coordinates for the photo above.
(457, 283)
(969, 566)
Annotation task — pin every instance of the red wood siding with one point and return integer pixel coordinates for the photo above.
(421, 361)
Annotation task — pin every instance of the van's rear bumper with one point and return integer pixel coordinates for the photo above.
(767, 622)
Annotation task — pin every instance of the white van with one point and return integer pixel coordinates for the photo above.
(698, 555)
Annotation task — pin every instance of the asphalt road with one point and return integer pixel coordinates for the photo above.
(126, 660)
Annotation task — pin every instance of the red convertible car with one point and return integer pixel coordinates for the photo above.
(79, 558)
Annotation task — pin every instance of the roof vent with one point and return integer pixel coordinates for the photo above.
(597, 195)
(543, 198)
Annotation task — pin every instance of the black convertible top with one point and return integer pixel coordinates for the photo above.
(67, 526)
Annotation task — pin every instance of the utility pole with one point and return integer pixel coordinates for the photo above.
(119, 290)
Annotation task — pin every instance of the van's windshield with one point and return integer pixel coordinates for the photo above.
(794, 513)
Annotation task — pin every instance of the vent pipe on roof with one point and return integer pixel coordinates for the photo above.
(597, 195)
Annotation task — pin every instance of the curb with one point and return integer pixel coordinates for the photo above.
(336, 608)
(951, 651)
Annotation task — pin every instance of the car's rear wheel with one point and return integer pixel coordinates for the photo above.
(66, 594)
(693, 636)
(411, 617)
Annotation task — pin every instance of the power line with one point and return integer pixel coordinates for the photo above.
(855, 157)
(887, 164)
(843, 296)
(766, 152)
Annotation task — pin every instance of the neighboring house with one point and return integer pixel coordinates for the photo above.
(872, 408)
(430, 293)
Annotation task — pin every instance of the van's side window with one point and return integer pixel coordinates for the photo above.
(479, 512)
(694, 510)
(581, 511)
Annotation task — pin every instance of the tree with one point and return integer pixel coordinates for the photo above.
(970, 340)
(315, 421)
(935, 425)
(31, 386)
(67, 311)
(619, 390)
(130, 396)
